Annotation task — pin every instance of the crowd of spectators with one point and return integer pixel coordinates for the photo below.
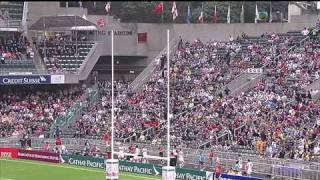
(278, 100)
(278, 115)
(277, 118)
(56, 45)
(4, 16)
(54, 48)
(286, 117)
(198, 72)
(15, 48)
(31, 112)
(95, 120)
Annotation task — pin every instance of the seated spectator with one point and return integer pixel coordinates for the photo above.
(60, 47)
(32, 112)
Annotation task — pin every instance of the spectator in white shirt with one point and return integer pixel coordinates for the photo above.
(181, 158)
(305, 31)
(250, 166)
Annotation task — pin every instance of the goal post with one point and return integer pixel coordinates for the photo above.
(168, 172)
(112, 165)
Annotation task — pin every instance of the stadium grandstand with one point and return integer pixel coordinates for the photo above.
(159, 90)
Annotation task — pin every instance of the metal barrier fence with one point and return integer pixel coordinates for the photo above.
(73, 112)
(151, 130)
(271, 168)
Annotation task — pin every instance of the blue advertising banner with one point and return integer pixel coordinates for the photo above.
(235, 177)
(25, 79)
(31, 79)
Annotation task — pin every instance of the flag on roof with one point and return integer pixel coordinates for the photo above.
(159, 8)
(215, 14)
(228, 15)
(201, 15)
(108, 7)
(189, 16)
(174, 11)
(242, 14)
(257, 14)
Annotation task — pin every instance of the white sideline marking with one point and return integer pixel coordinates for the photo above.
(69, 167)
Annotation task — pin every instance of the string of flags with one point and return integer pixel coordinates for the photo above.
(159, 9)
(174, 11)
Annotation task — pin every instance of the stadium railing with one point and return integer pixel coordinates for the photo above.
(65, 120)
(153, 150)
(73, 112)
(151, 130)
(263, 167)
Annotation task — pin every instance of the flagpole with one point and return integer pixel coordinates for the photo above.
(242, 13)
(289, 12)
(255, 18)
(108, 9)
(229, 14)
(107, 17)
(202, 12)
(161, 12)
(200, 18)
(215, 13)
(270, 13)
(161, 17)
(189, 11)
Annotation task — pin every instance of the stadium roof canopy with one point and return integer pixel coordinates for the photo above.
(63, 23)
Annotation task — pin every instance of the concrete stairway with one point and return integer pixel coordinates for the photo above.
(145, 75)
(243, 82)
(92, 58)
(315, 89)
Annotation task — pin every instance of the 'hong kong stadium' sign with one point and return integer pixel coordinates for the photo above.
(121, 33)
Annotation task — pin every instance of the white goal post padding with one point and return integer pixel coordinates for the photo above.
(147, 157)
